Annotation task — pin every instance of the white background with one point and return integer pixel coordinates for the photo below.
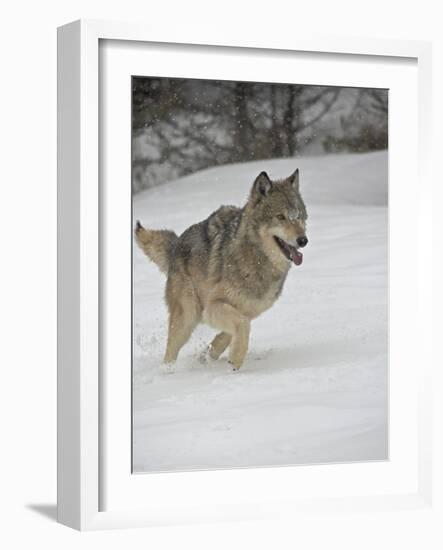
(28, 268)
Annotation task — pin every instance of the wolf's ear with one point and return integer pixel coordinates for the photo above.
(262, 185)
(294, 180)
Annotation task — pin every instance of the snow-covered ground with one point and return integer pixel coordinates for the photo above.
(314, 386)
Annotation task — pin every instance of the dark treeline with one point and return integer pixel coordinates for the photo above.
(181, 125)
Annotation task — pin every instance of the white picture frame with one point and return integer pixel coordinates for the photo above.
(81, 436)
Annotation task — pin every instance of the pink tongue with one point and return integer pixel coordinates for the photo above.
(296, 256)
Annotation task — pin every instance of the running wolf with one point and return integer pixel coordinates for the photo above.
(231, 267)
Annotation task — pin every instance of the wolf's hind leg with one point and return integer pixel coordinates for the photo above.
(184, 314)
(223, 316)
(182, 322)
(219, 344)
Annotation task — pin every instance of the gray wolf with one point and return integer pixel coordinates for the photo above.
(231, 267)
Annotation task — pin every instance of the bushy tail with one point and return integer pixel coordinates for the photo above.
(158, 245)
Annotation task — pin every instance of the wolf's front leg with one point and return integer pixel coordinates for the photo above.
(219, 344)
(223, 316)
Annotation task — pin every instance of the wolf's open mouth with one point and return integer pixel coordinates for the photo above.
(289, 251)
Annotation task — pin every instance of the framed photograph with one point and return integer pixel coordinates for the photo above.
(238, 335)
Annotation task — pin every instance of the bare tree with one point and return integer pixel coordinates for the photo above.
(184, 125)
(365, 126)
(308, 105)
(292, 110)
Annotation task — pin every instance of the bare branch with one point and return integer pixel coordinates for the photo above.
(317, 117)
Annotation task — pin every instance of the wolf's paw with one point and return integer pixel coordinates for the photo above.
(235, 367)
(168, 368)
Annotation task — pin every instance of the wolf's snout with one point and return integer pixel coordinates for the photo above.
(302, 241)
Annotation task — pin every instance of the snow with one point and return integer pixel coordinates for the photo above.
(314, 386)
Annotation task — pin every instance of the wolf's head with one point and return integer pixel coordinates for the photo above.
(279, 214)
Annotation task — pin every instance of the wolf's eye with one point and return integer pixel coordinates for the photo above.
(281, 217)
